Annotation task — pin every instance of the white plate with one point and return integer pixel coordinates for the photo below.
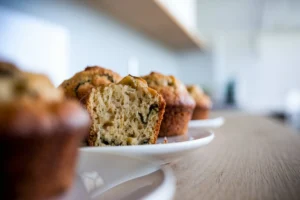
(105, 176)
(176, 147)
(207, 123)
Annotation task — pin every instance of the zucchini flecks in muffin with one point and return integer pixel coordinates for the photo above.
(78, 86)
(142, 118)
(170, 83)
(109, 77)
(105, 141)
(153, 107)
(145, 141)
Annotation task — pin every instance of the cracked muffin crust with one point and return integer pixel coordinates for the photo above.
(39, 137)
(81, 84)
(203, 102)
(179, 104)
(126, 113)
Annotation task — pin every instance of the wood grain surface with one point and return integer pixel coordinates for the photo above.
(251, 157)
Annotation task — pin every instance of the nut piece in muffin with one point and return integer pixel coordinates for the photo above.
(81, 84)
(179, 104)
(203, 102)
(126, 113)
(39, 137)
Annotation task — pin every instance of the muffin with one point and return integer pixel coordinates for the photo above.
(203, 102)
(81, 84)
(126, 113)
(40, 133)
(179, 104)
(8, 69)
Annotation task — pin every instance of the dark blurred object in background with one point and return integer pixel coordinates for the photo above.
(281, 116)
(230, 93)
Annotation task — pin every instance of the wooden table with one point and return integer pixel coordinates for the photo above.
(251, 157)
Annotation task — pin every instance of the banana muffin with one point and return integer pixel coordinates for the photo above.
(39, 137)
(203, 102)
(81, 84)
(179, 104)
(126, 113)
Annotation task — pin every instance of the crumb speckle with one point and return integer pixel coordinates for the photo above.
(165, 140)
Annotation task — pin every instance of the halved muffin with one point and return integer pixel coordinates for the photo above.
(126, 113)
(203, 102)
(39, 137)
(179, 104)
(80, 85)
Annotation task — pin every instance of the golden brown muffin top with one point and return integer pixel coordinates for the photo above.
(80, 85)
(201, 99)
(133, 81)
(8, 69)
(172, 89)
(26, 85)
(137, 82)
(30, 104)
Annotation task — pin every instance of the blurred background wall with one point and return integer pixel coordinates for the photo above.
(95, 38)
(34, 44)
(256, 43)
